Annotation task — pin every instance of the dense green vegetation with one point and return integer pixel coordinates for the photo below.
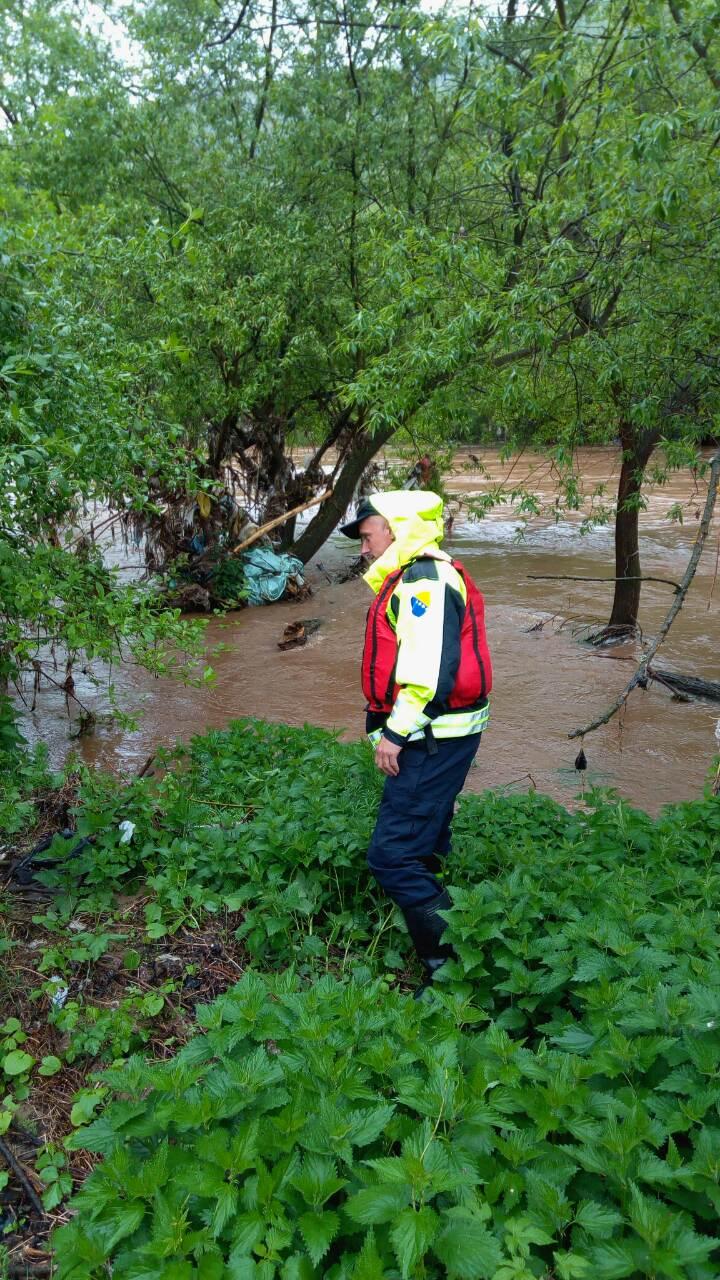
(225, 230)
(551, 1112)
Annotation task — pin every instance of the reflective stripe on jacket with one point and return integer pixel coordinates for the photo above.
(426, 659)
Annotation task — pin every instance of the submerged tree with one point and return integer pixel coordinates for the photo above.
(333, 224)
(71, 440)
(575, 303)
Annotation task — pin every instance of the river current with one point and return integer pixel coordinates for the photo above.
(546, 681)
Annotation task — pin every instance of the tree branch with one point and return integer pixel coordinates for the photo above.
(20, 1174)
(642, 673)
(8, 112)
(572, 577)
(697, 44)
(228, 35)
(267, 81)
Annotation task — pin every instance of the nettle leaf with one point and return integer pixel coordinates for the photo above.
(100, 1137)
(575, 1040)
(597, 1219)
(571, 1266)
(613, 1261)
(298, 1267)
(390, 1169)
(248, 1229)
(369, 1263)
(225, 1208)
(374, 1205)
(318, 1230)
(241, 1268)
(124, 1220)
(213, 1147)
(317, 1180)
(412, 1235)
(366, 1126)
(466, 1248)
(176, 1269)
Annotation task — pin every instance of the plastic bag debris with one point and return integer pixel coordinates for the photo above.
(267, 574)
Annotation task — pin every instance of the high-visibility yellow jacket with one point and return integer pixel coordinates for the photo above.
(424, 599)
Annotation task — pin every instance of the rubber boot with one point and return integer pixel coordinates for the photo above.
(426, 928)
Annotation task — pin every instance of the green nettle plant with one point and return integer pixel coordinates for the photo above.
(552, 1113)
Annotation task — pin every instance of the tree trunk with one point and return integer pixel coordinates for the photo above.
(626, 602)
(331, 512)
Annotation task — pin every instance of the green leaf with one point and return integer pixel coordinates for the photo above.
(613, 1261)
(241, 1267)
(176, 1269)
(318, 1231)
(317, 1180)
(297, 1267)
(467, 1249)
(412, 1235)
(247, 1230)
(49, 1066)
(17, 1062)
(83, 1109)
(369, 1264)
(366, 1126)
(225, 1209)
(124, 1220)
(377, 1204)
(571, 1266)
(597, 1219)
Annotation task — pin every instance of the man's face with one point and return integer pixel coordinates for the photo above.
(375, 537)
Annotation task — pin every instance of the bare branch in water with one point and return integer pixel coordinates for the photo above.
(642, 674)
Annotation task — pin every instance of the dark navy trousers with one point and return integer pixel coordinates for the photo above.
(412, 832)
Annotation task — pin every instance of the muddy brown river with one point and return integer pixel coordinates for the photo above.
(546, 682)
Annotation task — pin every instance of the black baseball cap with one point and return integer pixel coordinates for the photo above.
(352, 530)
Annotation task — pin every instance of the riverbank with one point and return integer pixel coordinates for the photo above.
(234, 976)
(546, 683)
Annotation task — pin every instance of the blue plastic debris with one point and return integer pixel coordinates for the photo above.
(267, 573)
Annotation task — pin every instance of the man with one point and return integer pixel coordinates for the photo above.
(426, 675)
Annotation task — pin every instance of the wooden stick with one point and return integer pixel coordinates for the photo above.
(641, 673)
(274, 524)
(572, 577)
(22, 1178)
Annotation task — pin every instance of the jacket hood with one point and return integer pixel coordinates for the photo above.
(416, 519)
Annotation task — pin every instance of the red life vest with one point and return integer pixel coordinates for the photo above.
(473, 681)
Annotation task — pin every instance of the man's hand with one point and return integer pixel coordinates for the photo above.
(386, 757)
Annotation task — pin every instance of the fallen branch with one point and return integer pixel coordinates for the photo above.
(572, 577)
(16, 1168)
(641, 675)
(275, 524)
(689, 686)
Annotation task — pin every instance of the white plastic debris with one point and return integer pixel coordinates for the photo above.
(128, 829)
(60, 993)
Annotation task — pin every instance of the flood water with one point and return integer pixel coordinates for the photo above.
(546, 682)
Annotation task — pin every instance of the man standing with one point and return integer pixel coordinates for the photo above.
(426, 675)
